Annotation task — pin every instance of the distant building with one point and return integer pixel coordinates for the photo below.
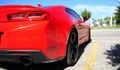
(97, 23)
(89, 22)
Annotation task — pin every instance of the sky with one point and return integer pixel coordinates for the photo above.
(98, 8)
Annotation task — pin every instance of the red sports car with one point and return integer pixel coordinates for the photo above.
(31, 34)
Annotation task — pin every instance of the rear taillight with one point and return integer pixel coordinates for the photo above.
(16, 16)
(30, 16)
(38, 16)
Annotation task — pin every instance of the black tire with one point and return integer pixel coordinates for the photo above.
(72, 50)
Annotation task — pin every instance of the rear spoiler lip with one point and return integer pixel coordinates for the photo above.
(16, 6)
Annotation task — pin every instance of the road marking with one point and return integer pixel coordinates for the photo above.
(90, 63)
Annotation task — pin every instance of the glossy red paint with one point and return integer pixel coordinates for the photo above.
(46, 30)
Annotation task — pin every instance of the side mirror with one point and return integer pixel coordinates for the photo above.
(85, 18)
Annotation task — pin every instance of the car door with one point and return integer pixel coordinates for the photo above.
(83, 31)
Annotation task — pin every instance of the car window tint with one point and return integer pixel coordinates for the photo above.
(72, 13)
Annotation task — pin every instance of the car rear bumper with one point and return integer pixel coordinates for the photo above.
(19, 56)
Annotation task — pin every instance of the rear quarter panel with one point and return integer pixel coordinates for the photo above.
(58, 31)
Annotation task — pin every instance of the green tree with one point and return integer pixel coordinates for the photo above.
(86, 13)
(117, 15)
(107, 20)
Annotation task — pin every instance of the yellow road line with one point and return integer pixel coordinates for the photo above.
(90, 63)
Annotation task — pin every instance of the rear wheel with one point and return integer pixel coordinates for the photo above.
(72, 49)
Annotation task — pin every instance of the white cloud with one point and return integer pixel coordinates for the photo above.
(95, 9)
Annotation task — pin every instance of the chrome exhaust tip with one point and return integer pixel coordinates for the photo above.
(27, 61)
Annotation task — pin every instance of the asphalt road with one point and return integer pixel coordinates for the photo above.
(101, 54)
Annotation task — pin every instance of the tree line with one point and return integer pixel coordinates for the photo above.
(116, 16)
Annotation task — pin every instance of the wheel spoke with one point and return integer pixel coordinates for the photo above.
(75, 53)
(72, 52)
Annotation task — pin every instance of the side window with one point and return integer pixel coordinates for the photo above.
(72, 13)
